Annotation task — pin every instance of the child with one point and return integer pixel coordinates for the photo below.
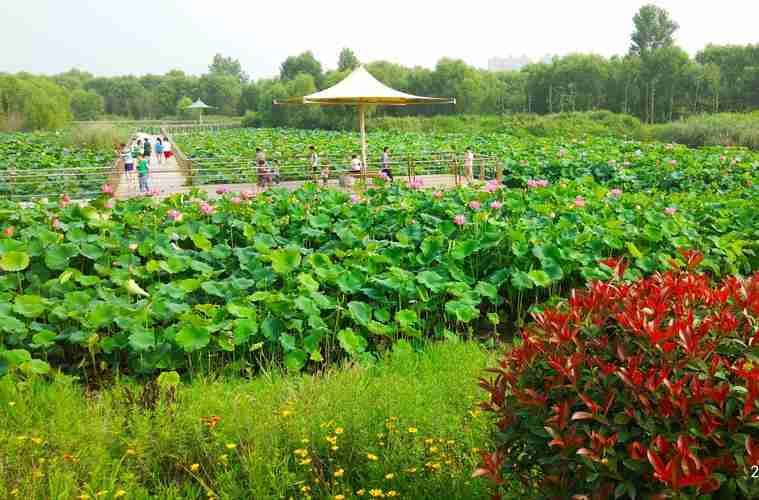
(325, 174)
(126, 156)
(159, 150)
(264, 177)
(469, 165)
(275, 171)
(167, 148)
(143, 171)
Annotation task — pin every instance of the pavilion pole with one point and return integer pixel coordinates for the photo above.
(362, 128)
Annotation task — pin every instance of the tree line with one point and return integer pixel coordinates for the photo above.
(656, 81)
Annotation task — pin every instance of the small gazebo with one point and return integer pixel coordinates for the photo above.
(201, 106)
(360, 89)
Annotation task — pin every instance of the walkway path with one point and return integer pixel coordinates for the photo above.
(165, 176)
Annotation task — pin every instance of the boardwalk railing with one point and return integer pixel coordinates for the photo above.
(85, 182)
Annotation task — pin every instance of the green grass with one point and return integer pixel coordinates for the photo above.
(724, 129)
(58, 441)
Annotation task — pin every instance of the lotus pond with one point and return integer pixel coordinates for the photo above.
(317, 275)
(629, 165)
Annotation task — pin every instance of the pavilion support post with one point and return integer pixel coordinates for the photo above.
(362, 130)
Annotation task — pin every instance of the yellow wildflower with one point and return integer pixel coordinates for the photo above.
(339, 497)
(195, 467)
(339, 430)
(376, 493)
(37, 440)
(101, 493)
(286, 413)
(300, 452)
(339, 472)
(389, 475)
(412, 430)
(392, 493)
(372, 457)
(331, 440)
(14, 492)
(305, 488)
(231, 446)
(119, 494)
(450, 441)
(304, 441)
(335, 448)
(130, 451)
(305, 461)
(360, 492)
(411, 470)
(84, 496)
(429, 441)
(434, 449)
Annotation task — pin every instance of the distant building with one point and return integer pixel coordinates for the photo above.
(510, 63)
(513, 63)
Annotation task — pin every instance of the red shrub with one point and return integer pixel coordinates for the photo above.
(633, 389)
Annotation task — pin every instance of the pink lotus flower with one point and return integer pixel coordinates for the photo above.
(673, 162)
(670, 210)
(722, 158)
(474, 205)
(579, 202)
(110, 204)
(355, 198)
(416, 184)
(459, 220)
(107, 189)
(615, 193)
(496, 205)
(537, 183)
(236, 200)
(222, 190)
(206, 208)
(175, 215)
(438, 194)
(492, 186)
(247, 194)
(65, 200)
(56, 223)
(8, 231)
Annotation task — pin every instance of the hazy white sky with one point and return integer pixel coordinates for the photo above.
(108, 37)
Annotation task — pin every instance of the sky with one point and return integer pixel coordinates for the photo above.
(108, 37)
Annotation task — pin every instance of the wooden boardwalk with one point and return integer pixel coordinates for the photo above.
(168, 178)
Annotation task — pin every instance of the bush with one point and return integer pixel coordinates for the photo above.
(251, 120)
(634, 389)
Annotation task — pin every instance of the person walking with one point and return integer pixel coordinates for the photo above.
(147, 149)
(469, 164)
(159, 150)
(313, 160)
(167, 153)
(128, 159)
(355, 165)
(385, 162)
(143, 170)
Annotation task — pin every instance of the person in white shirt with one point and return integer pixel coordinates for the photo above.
(355, 165)
(167, 148)
(469, 165)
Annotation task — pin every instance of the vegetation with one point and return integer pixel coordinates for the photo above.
(401, 425)
(633, 390)
(655, 81)
(711, 130)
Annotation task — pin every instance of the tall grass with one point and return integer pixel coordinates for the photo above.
(408, 424)
(598, 123)
(98, 136)
(724, 129)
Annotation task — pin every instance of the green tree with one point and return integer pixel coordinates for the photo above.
(303, 63)
(32, 102)
(181, 109)
(86, 105)
(654, 29)
(222, 92)
(347, 60)
(226, 66)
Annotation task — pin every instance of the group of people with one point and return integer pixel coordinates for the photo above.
(267, 174)
(138, 156)
(323, 171)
